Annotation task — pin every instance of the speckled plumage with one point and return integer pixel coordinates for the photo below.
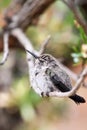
(46, 67)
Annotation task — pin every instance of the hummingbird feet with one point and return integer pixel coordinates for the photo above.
(43, 94)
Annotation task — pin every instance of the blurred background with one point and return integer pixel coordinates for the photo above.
(20, 107)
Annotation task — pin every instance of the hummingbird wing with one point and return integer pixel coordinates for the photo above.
(59, 84)
(63, 88)
(60, 78)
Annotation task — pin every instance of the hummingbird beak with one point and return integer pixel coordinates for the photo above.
(35, 56)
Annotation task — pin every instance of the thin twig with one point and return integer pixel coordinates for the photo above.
(76, 13)
(44, 45)
(73, 90)
(19, 34)
(6, 49)
(26, 43)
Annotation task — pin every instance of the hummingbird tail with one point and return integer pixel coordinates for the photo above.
(77, 99)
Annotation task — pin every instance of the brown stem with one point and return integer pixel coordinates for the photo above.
(26, 12)
(73, 8)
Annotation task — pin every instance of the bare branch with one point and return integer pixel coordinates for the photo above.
(73, 90)
(30, 11)
(26, 43)
(19, 34)
(17, 15)
(44, 45)
(26, 12)
(6, 49)
(73, 8)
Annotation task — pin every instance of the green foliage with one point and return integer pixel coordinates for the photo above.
(4, 3)
(83, 36)
(77, 54)
(26, 100)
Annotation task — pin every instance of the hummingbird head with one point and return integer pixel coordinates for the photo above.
(43, 59)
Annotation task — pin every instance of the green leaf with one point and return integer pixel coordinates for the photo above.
(83, 35)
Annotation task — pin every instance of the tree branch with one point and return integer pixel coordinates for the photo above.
(74, 89)
(22, 13)
(6, 49)
(26, 12)
(73, 8)
(44, 45)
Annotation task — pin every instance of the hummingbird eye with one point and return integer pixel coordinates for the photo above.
(45, 57)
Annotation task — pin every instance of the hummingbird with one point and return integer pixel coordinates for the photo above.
(50, 77)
